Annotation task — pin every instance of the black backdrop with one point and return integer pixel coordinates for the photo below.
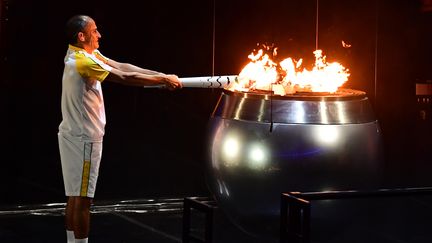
(155, 139)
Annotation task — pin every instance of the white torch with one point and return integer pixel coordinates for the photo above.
(205, 82)
(208, 82)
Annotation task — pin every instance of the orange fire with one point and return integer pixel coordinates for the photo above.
(288, 76)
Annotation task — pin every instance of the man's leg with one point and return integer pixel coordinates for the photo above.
(69, 213)
(69, 220)
(81, 217)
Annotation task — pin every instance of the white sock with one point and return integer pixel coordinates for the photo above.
(70, 236)
(81, 240)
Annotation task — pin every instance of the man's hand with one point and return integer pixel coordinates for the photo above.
(172, 82)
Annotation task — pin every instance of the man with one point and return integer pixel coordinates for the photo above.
(82, 128)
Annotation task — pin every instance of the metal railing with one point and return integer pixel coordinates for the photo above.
(202, 205)
(295, 212)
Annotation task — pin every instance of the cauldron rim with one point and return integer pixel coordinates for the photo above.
(343, 94)
(351, 108)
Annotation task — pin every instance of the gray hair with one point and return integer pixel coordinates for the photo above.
(75, 25)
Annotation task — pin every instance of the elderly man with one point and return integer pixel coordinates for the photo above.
(82, 128)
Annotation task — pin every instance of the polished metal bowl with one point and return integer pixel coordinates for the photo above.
(261, 145)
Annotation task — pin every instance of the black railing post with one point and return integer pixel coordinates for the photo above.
(203, 207)
(283, 219)
(295, 219)
(208, 235)
(186, 220)
(306, 223)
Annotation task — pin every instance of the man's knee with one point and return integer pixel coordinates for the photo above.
(82, 203)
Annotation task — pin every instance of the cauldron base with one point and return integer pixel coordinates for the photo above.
(261, 146)
(249, 192)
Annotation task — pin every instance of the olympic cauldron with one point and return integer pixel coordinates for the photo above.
(260, 145)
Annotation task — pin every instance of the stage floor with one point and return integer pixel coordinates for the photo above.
(395, 220)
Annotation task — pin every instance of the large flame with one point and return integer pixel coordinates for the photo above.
(288, 76)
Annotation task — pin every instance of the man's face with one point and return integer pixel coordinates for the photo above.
(91, 37)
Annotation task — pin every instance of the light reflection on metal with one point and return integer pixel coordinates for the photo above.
(226, 189)
(239, 109)
(299, 112)
(341, 112)
(323, 112)
(221, 191)
(261, 111)
(230, 150)
(327, 135)
(257, 156)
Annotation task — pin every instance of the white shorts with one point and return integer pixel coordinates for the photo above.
(80, 166)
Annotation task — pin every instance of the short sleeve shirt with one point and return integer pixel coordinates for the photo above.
(82, 103)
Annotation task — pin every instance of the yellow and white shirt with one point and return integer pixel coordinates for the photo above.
(82, 101)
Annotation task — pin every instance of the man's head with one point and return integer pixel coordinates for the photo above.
(81, 31)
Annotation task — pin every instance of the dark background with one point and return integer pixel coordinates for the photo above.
(155, 139)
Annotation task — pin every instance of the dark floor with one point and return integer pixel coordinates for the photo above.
(395, 220)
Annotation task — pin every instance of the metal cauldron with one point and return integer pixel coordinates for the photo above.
(261, 145)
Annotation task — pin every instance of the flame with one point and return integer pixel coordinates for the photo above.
(288, 76)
